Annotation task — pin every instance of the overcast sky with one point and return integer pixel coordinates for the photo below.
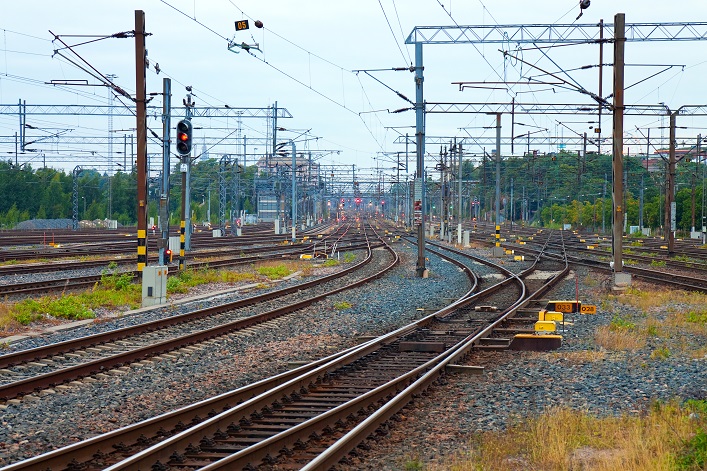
(310, 50)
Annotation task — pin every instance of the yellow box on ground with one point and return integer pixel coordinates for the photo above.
(554, 316)
(545, 326)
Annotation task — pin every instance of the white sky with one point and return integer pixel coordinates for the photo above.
(319, 43)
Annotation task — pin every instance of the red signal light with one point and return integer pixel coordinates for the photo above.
(184, 137)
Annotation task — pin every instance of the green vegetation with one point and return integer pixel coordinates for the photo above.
(349, 257)
(114, 290)
(658, 263)
(694, 452)
(274, 272)
(660, 353)
(190, 278)
(46, 193)
(698, 317)
(330, 262)
(670, 436)
(341, 305)
(618, 323)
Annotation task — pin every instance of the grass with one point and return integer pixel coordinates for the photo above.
(117, 290)
(658, 263)
(114, 290)
(670, 436)
(619, 339)
(330, 262)
(190, 278)
(341, 305)
(688, 313)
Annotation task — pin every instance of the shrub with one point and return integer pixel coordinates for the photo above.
(274, 272)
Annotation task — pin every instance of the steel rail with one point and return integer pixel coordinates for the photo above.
(29, 385)
(86, 450)
(272, 445)
(335, 452)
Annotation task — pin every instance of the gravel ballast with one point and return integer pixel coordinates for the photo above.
(432, 430)
(579, 375)
(233, 361)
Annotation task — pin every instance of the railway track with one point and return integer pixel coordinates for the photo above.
(315, 416)
(26, 371)
(689, 283)
(76, 282)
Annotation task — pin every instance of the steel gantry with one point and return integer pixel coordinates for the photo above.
(619, 33)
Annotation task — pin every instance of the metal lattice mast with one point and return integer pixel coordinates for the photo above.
(75, 197)
(235, 194)
(222, 192)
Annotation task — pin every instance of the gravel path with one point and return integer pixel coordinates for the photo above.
(144, 391)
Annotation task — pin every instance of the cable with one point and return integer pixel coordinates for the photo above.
(193, 19)
(467, 37)
(391, 30)
(341, 105)
(402, 33)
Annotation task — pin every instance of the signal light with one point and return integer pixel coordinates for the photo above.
(168, 255)
(184, 131)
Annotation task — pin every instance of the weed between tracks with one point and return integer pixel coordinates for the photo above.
(671, 436)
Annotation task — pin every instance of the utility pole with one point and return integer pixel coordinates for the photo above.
(459, 202)
(141, 130)
(294, 192)
(670, 225)
(420, 269)
(620, 279)
(498, 168)
(164, 196)
(601, 81)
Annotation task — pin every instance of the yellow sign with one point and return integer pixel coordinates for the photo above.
(588, 309)
(564, 307)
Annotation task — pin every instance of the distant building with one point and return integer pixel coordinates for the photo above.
(309, 170)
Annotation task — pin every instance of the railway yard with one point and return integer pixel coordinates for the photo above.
(356, 236)
(350, 361)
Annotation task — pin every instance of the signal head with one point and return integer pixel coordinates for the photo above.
(184, 137)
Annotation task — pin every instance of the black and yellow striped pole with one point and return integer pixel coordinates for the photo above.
(182, 238)
(141, 249)
(182, 224)
(498, 236)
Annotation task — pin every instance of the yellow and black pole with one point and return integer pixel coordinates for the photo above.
(498, 235)
(141, 249)
(182, 224)
(182, 238)
(141, 126)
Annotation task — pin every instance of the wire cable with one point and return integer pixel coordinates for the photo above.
(391, 30)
